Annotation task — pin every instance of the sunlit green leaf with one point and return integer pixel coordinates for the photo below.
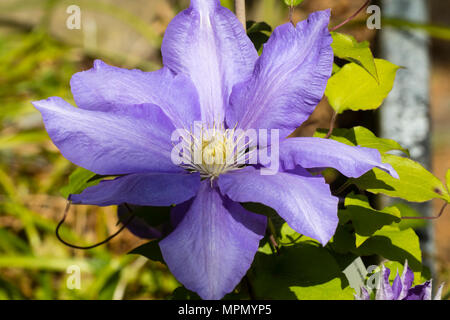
(353, 88)
(447, 178)
(346, 47)
(394, 244)
(79, 180)
(336, 68)
(300, 271)
(331, 290)
(415, 184)
(363, 137)
(293, 3)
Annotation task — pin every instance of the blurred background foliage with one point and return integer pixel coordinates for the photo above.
(38, 56)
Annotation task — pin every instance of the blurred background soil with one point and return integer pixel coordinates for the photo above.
(38, 55)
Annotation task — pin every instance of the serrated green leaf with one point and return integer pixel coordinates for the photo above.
(79, 180)
(346, 47)
(293, 3)
(416, 184)
(365, 219)
(360, 136)
(394, 244)
(353, 88)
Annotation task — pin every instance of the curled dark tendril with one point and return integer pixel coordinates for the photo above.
(66, 211)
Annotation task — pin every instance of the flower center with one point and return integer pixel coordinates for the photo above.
(212, 151)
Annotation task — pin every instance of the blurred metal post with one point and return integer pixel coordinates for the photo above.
(405, 116)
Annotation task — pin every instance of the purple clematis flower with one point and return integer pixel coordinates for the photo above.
(212, 74)
(401, 288)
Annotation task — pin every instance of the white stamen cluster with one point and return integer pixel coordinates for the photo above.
(214, 150)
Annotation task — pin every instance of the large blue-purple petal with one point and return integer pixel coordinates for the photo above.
(108, 143)
(151, 189)
(323, 153)
(108, 88)
(304, 201)
(178, 212)
(289, 78)
(214, 245)
(208, 43)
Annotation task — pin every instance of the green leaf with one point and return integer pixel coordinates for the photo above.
(416, 184)
(447, 179)
(352, 88)
(253, 26)
(346, 47)
(331, 290)
(301, 271)
(289, 237)
(394, 244)
(229, 4)
(293, 3)
(336, 68)
(259, 33)
(365, 219)
(360, 136)
(79, 180)
(343, 240)
(150, 250)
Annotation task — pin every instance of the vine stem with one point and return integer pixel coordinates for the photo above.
(239, 8)
(429, 218)
(344, 186)
(332, 124)
(291, 15)
(353, 16)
